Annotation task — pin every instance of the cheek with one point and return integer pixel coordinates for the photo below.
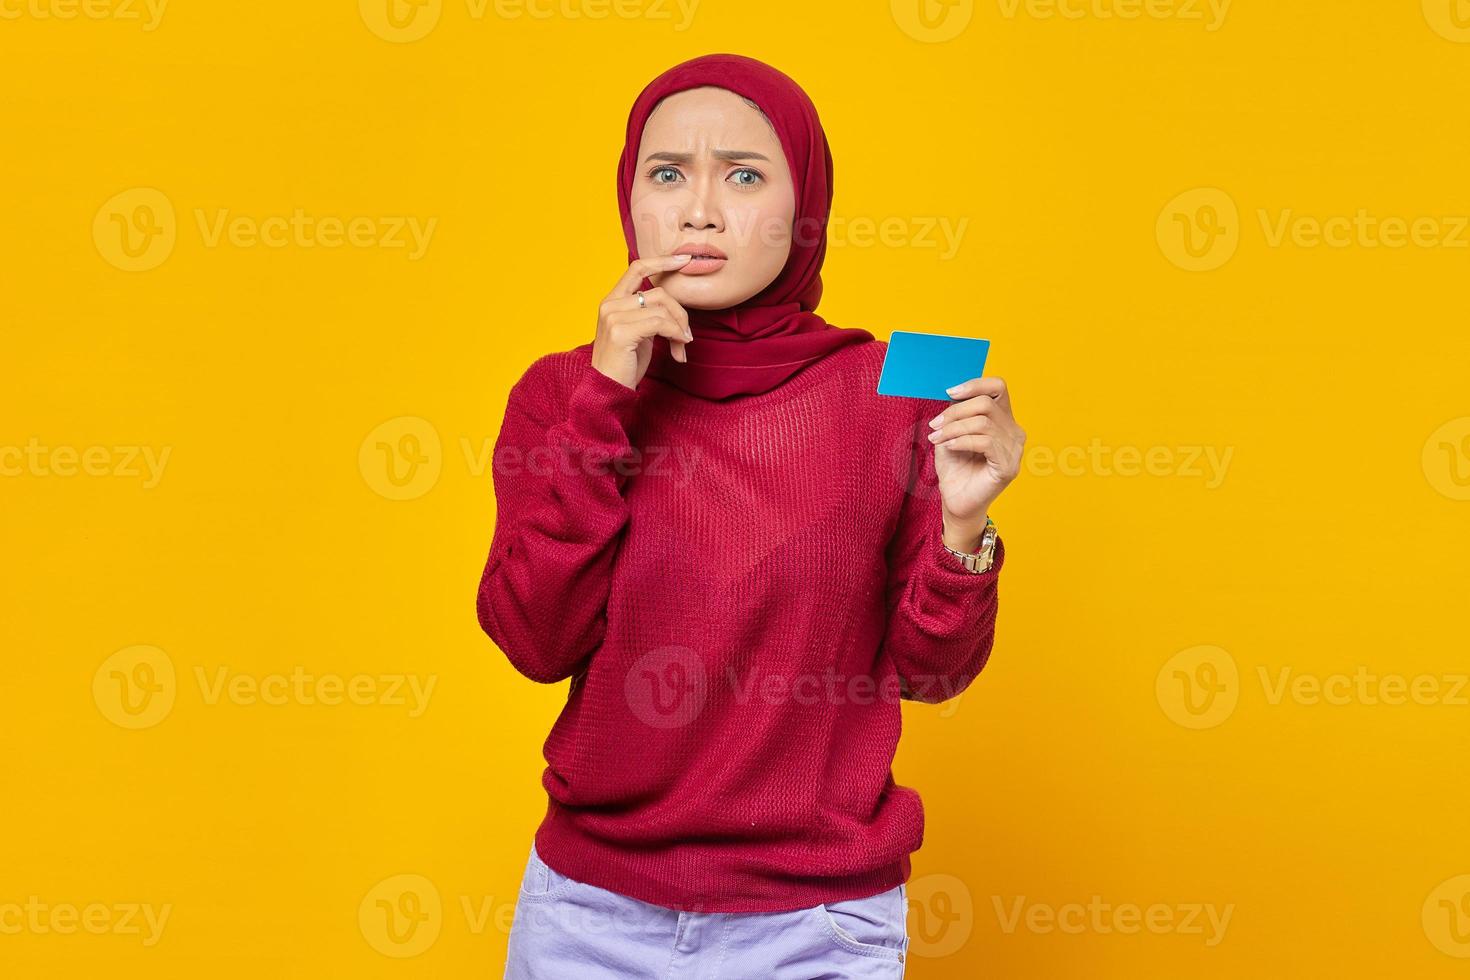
(770, 242)
(650, 231)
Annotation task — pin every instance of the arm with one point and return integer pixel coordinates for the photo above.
(559, 515)
(941, 618)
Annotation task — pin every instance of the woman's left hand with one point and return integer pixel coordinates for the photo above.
(977, 453)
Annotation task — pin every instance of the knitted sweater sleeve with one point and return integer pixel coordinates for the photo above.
(559, 516)
(941, 617)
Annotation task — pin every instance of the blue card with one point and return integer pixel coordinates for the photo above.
(922, 365)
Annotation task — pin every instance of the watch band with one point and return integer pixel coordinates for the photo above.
(984, 559)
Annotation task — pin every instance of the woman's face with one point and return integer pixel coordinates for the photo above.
(711, 173)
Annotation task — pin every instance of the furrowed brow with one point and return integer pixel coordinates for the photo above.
(718, 154)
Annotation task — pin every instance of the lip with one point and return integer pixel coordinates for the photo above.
(713, 259)
(699, 248)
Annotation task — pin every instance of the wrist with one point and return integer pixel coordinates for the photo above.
(978, 554)
(964, 534)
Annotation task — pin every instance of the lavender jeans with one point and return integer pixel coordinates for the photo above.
(566, 929)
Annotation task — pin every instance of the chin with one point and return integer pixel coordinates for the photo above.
(704, 295)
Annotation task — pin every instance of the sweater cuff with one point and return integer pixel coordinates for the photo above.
(601, 410)
(951, 576)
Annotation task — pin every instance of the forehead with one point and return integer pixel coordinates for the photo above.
(713, 117)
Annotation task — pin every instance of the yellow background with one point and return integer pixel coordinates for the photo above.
(1079, 765)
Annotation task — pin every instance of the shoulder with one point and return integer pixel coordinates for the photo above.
(544, 389)
(551, 377)
(860, 366)
(869, 353)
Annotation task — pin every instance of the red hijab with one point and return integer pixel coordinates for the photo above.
(753, 347)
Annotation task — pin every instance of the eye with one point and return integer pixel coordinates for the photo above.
(755, 176)
(653, 175)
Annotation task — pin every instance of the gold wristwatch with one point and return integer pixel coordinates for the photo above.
(981, 560)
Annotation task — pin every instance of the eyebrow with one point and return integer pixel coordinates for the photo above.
(719, 154)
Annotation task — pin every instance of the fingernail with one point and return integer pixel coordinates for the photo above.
(934, 436)
(955, 390)
(688, 336)
(936, 421)
(683, 258)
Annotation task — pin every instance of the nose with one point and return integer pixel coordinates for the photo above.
(703, 209)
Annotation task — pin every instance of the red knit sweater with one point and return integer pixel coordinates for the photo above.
(735, 589)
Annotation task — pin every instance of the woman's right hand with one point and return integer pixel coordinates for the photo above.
(625, 331)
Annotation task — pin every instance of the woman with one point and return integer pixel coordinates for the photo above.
(741, 556)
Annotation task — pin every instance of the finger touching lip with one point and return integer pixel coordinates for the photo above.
(701, 266)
